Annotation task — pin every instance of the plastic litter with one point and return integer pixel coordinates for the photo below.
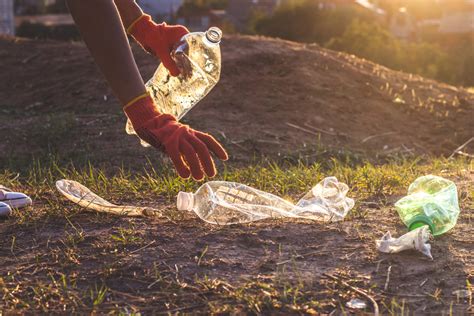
(81, 195)
(431, 201)
(199, 58)
(226, 203)
(416, 239)
(356, 303)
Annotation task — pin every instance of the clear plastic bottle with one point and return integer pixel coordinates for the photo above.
(225, 203)
(431, 201)
(199, 58)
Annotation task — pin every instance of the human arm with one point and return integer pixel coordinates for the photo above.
(104, 35)
(129, 11)
(157, 39)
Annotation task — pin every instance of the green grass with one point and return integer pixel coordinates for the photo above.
(365, 180)
(65, 289)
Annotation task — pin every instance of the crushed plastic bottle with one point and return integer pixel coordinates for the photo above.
(199, 59)
(84, 197)
(226, 203)
(431, 201)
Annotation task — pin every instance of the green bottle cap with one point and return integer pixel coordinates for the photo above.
(419, 221)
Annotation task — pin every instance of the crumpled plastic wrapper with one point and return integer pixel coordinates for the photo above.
(417, 239)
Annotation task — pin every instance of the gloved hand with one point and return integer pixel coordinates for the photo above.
(187, 148)
(158, 39)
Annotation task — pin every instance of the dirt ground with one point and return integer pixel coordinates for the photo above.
(184, 265)
(276, 99)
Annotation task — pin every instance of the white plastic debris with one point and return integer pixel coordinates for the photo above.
(416, 239)
(81, 195)
(356, 303)
(227, 203)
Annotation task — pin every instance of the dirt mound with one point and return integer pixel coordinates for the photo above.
(276, 98)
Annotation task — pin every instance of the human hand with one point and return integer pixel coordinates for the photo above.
(188, 149)
(158, 39)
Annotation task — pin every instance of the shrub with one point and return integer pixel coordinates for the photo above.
(304, 21)
(354, 30)
(371, 41)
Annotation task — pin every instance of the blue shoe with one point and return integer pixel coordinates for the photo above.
(5, 209)
(14, 199)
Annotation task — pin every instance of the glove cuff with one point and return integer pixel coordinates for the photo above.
(129, 28)
(140, 110)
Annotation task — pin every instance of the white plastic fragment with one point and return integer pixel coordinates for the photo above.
(81, 195)
(356, 303)
(416, 239)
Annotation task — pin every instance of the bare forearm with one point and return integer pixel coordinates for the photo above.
(104, 35)
(129, 11)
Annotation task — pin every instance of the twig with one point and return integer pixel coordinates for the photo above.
(357, 290)
(378, 265)
(404, 295)
(26, 268)
(303, 129)
(273, 142)
(301, 256)
(320, 130)
(388, 278)
(375, 136)
(393, 150)
(423, 283)
(146, 246)
(180, 309)
(27, 59)
(238, 145)
(93, 121)
(421, 147)
(409, 150)
(140, 299)
(461, 147)
(462, 153)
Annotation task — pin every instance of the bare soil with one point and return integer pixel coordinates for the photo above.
(163, 265)
(276, 99)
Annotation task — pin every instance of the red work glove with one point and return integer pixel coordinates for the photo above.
(187, 148)
(158, 39)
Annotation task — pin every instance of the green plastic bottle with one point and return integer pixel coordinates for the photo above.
(431, 201)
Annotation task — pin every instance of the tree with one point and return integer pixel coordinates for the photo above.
(373, 42)
(305, 21)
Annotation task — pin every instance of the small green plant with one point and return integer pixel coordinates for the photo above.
(97, 295)
(126, 236)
